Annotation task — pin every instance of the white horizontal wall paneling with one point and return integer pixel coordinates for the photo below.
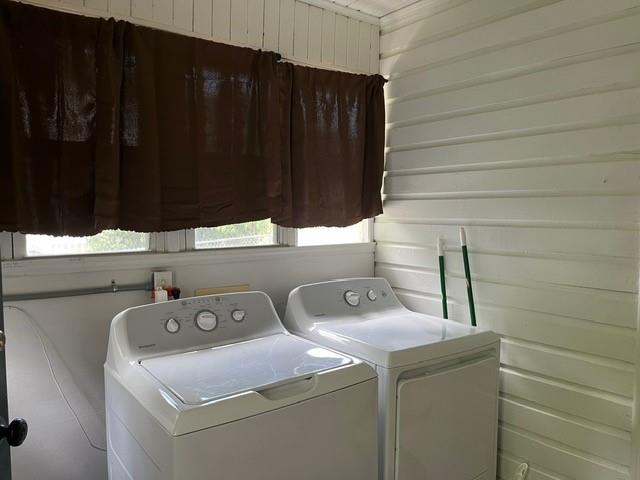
(308, 33)
(566, 22)
(521, 121)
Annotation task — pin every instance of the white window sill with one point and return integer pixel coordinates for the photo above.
(142, 260)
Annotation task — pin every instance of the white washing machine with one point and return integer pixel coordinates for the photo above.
(215, 388)
(438, 379)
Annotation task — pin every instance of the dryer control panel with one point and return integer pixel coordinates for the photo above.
(340, 298)
(211, 320)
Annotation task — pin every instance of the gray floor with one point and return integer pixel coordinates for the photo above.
(56, 447)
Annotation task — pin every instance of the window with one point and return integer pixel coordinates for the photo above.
(333, 235)
(109, 241)
(250, 234)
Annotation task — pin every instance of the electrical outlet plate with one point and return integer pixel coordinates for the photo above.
(162, 279)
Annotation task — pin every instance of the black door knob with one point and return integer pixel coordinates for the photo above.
(15, 432)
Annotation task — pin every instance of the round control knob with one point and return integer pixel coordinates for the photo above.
(352, 298)
(172, 325)
(206, 320)
(371, 295)
(238, 315)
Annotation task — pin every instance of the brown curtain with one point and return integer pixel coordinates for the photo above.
(335, 125)
(105, 124)
(199, 126)
(58, 99)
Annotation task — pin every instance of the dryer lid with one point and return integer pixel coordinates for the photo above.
(202, 376)
(398, 337)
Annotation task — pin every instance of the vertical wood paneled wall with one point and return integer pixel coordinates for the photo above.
(520, 119)
(299, 31)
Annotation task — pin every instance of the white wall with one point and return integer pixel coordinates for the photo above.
(75, 332)
(300, 31)
(520, 119)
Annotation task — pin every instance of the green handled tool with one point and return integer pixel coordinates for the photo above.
(443, 284)
(467, 275)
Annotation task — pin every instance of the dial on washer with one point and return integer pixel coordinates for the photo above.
(172, 325)
(206, 320)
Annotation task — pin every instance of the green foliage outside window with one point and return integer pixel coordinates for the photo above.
(237, 235)
(248, 234)
(117, 241)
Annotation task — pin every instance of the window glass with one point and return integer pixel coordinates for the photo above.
(109, 241)
(249, 234)
(333, 235)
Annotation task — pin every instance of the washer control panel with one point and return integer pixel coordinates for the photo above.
(200, 321)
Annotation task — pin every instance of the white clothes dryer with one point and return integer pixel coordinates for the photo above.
(438, 379)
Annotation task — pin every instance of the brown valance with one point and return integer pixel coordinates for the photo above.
(58, 95)
(105, 124)
(336, 134)
(200, 137)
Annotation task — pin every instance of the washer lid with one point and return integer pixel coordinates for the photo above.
(202, 376)
(398, 337)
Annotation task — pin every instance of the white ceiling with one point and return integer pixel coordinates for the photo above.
(377, 8)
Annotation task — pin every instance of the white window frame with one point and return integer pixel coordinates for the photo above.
(14, 245)
(278, 240)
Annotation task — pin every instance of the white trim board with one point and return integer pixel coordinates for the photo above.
(135, 261)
